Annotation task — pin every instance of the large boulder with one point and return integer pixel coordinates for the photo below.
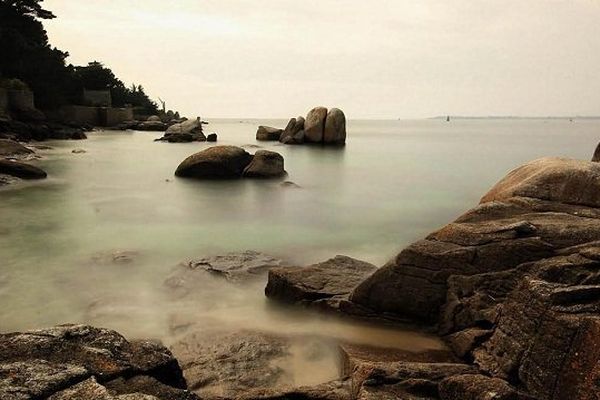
(539, 208)
(268, 133)
(314, 125)
(553, 179)
(323, 285)
(21, 170)
(265, 164)
(335, 127)
(218, 162)
(11, 147)
(52, 362)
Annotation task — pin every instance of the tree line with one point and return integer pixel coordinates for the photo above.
(26, 55)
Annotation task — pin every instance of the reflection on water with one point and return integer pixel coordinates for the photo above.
(393, 182)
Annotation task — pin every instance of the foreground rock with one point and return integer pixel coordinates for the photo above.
(225, 365)
(265, 164)
(265, 133)
(186, 131)
(323, 285)
(231, 162)
(80, 362)
(21, 170)
(514, 284)
(218, 162)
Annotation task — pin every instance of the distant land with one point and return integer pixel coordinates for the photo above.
(515, 117)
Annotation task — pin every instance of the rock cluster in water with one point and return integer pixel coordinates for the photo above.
(231, 162)
(185, 131)
(320, 126)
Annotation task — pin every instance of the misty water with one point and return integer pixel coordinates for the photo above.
(392, 183)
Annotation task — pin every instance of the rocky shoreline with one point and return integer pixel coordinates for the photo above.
(512, 286)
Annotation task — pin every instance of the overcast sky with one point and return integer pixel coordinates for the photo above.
(373, 59)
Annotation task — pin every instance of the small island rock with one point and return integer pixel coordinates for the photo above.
(218, 162)
(268, 133)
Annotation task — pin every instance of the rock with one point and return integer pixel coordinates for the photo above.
(188, 126)
(102, 352)
(116, 257)
(464, 342)
(34, 379)
(10, 147)
(291, 132)
(290, 184)
(234, 267)
(495, 236)
(212, 137)
(153, 118)
(78, 135)
(541, 338)
(314, 125)
(78, 151)
(21, 170)
(75, 361)
(403, 380)
(147, 386)
(218, 162)
(265, 164)
(226, 365)
(596, 156)
(321, 285)
(268, 133)
(476, 387)
(334, 390)
(151, 126)
(185, 131)
(553, 179)
(335, 127)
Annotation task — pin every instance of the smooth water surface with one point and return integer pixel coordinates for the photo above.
(393, 182)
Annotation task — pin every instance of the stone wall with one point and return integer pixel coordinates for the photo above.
(97, 98)
(3, 102)
(20, 99)
(96, 116)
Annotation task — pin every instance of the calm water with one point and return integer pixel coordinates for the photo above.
(394, 182)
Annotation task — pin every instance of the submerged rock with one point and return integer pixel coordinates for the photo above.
(218, 162)
(335, 127)
(21, 170)
(234, 267)
(314, 125)
(323, 284)
(265, 164)
(268, 133)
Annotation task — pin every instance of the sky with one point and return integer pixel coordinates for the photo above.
(375, 59)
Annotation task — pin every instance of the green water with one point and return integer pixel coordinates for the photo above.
(393, 182)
